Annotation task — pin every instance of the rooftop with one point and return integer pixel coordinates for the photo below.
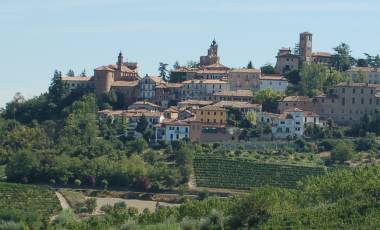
(125, 83)
(212, 108)
(77, 78)
(298, 98)
(273, 78)
(322, 54)
(237, 105)
(205, 81)
(195, 102)
(245, 70)
(235, 93)
(354, 84)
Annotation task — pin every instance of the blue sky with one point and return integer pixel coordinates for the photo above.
(39, 36)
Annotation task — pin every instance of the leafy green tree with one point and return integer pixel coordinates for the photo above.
(362, 62)
(362, 77)
(342, 152)
(293, 77)
(373, 61)
(269, 99)
(342, 59)
(268, 69)
(317, 79)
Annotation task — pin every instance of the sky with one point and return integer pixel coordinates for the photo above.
(39, 36)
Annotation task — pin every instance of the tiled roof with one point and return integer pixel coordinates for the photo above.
(140, 103)
(195, 102)
(293, 110)
(141, 112)
(235, 93)
(77, 78)
(104, 68)
(237, 104)
(245, 70)
(212, 108)
(205, 81)
(273, 78)
(176, 122)
(298, 98)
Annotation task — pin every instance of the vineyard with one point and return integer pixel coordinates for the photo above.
(244, 174)
(28, 199)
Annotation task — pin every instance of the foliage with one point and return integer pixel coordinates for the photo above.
(250, 65)
(244, 174)
(368, 123)
(32, 205)
(342, 59)
(164, 73)
(267, 69)
(268, 98)
(317, 79)
(373, 61)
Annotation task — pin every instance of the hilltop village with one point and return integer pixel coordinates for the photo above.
(197, 101)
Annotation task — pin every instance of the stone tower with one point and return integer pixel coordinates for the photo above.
(119, 61)
(305, 47)
(212, 55)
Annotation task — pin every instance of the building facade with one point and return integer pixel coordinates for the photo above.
(275, 83)
(244, 79)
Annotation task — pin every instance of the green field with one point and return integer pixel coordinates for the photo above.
(28, 200)
(244, 174)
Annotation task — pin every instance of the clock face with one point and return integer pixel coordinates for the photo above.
(308, 44)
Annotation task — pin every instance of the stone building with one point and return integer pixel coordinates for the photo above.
(202, 89)
(302, 102)
(244, 79)
(236, 95)
(288, 61)
(276, 83)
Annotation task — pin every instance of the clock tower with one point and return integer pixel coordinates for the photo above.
(305, 47)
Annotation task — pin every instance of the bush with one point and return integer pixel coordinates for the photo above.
(204, 194)
(77, 182)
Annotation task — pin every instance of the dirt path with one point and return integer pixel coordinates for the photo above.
(62, 200)
(139, 204)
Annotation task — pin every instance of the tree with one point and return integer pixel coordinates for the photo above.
(293, 77)
(252, 117)
(317, 79)
(70, 73)
(164, 73)
(83, 74)
(342, 152)
(268, 69)
(56, 88)
(269, 99)
(362, 77)
(192, 64)
(373, 61)
(250, 66)
(342, 59)
(362, 62)
(142, 124)
(176, 65)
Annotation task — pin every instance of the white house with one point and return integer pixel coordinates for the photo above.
(289, 124)
(172, 131)
(276, 83)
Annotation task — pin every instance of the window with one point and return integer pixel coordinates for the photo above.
(353, 100)
(370, 101)
(343, 90)
(353, 90)
(177, 136)
(362, 101)
(214, 120)
(215, 113)
(186, 130)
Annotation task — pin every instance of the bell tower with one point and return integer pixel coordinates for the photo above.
(119, 61)
(306, 47)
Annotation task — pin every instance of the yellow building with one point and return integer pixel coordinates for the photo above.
(211, 114)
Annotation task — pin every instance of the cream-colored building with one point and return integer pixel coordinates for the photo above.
(276, 83)
(371, 75)
(202, 89)
(244, 79)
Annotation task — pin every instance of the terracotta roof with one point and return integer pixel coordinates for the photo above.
(176, 122)
(212, 108)
(195, 102)
(185, 69)
(235, 93)
(298, 98)
(140, 103)
(104, 68)
(215, 71)
(364, 69)
(125, 83)
(273, 78)
(172, 109)
(322, 54)
(310, 114)
(245, 70)
(77, 78)
(141, 112)
(174, 85)
(237, 104)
